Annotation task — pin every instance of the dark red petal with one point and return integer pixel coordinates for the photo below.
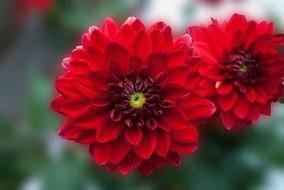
(228, 101)
(151, 124)
(68, 131)
(163, 143)
(196, 108)
(147, 145)
(101, 152)
(173, 92)
(110, 28)
(135, 64)
(163, 124)
(187, 135)
(64, 86)
(224, 88)
(134, 23)
(126, 35)
(134, 135)
(97, 60)
(183, 148)
(278, 39)
(87, 137)
(100, 79)
(130, 162)
(260, 95)
(120, 148)
(92, 118)
(175, 118)
(254, 112)
(57, 103)
(250, 93)
(241, 109)
(228, 119)
(177, 75)
(75, 106)
(108, 131)
(142, 45)
(95, 38)
(156, 64)
(174, 159)
(118, 54)
(266, 109)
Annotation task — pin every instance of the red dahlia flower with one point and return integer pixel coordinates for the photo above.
(241, 71)
(25, 7)
(123, 94)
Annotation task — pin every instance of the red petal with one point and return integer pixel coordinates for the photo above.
(187, 135)
(142, 45)
(183, 148)
(163, 143)
(100, 79)
(108, 131)
(150, 165)
(101, 152)
(196, 108)
(227, 101)
(147, 145)
(120, 148)
(250, 93)
(64, 86)
(177, 74)
(254, 113)
(163, 124)
(173, 92)
(156, 64)
(241, 109)
(126, 35)
(176, 118)
(161, 36)
(129, 163)
(96, 38)
(260, 95)
(110, 28)
(118, 54)
(87, 137)
(68, 131)
(266, 109)
(97, 60)
(92, 118)
(174, 159)
(135, 64)
(57, 103)
(134, 23)
(224, 88)
(134, 135)
(228, 119)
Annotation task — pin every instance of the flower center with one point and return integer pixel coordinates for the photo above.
(137, 100)
(242, 67)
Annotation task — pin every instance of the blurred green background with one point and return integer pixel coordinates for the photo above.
(36, 34)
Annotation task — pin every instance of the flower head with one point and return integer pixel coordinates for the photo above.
(123, 94)
(242, 69)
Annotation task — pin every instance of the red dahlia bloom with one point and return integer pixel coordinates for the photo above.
(241, 71)
(25, 7)
(123, 94)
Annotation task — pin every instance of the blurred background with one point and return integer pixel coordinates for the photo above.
(34, 37)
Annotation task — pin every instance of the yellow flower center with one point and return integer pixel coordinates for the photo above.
(137, 100)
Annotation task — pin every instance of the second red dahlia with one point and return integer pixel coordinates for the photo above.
(242, 69)
(124, 95)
